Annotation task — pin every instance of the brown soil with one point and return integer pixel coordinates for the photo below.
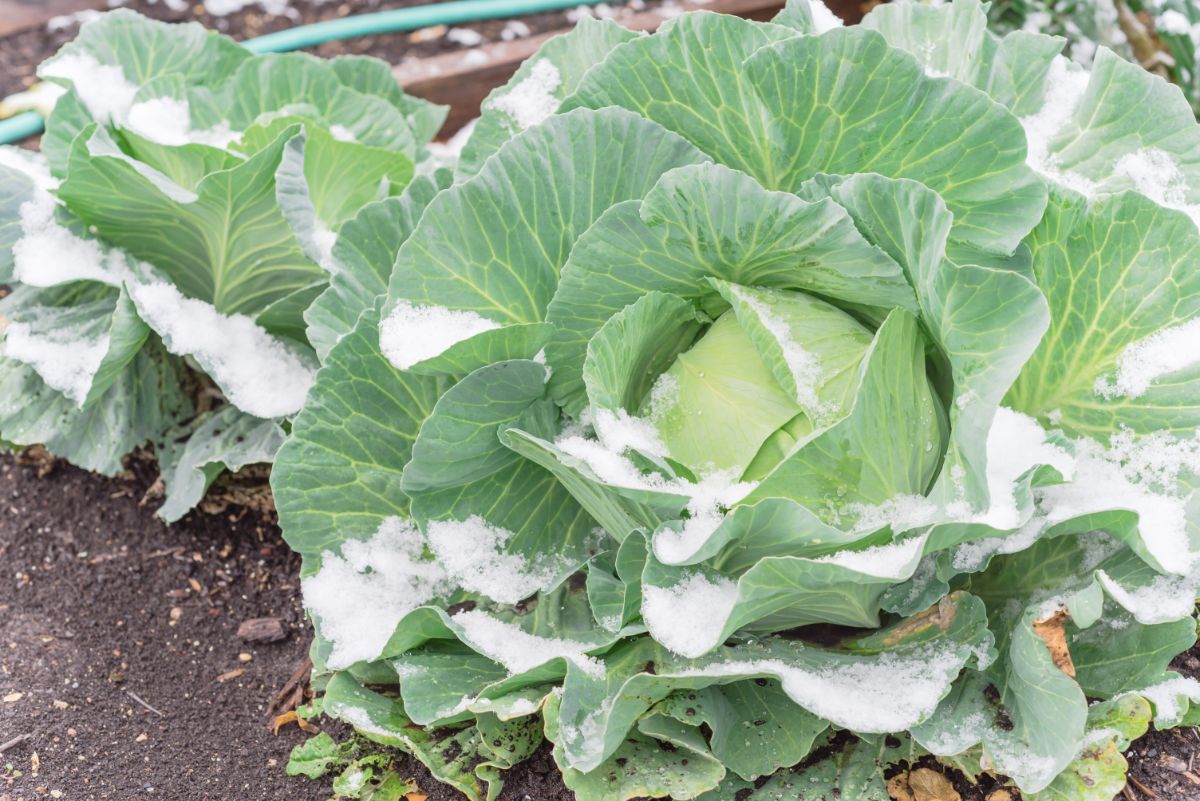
(102, 605)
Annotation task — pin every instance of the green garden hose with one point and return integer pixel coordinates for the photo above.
(29, 123)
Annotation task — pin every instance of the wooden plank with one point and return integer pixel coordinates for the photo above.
(462, 79)
(20, 15)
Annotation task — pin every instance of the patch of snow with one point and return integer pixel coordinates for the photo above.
(1156, 174)
(532, 99)
(902, 513)
(861, 694)
(688, 617)
(102, 88)
(823, 19)
(1145, 361)
(473, 553)
(597, 11)
(342, 133)
(1165, 599)
(971, 556)
(518, 650)
(1169, 698)
(65, 21)
(167, 120)
(67, 365)
(1065, 85)
(323, 240)
(508, 707)
(257, 372)
(895, 560)
(277, 8)
(619, 431)
(474, 58)
(1174, 22)
(706, 499)
(361, 596)
(48, 254)
(465, 37)
(1015, 445)
(514, 29)
(1139, 475)
(31, 164)
(412, 334)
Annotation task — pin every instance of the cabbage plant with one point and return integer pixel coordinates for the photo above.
(768, 406)
(168, 247)
(1161, 35)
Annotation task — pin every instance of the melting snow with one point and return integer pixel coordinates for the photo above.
(532, 100)
(619, 431)
(1165, 599)
(167, 121)
(903, 512)
(823, 18)
(472, 552)
(412, 334)
(1168, 698)
(861, 695)
(257, 372)
(1139, 475)
(1065, 85)
(706, 499)
(518, 650)
(1016, 444)
(67, 365)
(970, 556)
(48, 253)
(687, 618)
(30, 164)
(1145, 361)
(896, 560)
(102, 88)
(361, 596)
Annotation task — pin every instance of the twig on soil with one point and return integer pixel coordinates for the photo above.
(161, 554)
(1143, 787)
(292, 694)
(14, 742)
(135, 697)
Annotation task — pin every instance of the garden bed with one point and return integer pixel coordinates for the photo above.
(88, 619)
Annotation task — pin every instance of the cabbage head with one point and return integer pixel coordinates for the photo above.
(767, 406)
(168, 247)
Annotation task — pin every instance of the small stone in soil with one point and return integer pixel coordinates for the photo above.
(262, 629)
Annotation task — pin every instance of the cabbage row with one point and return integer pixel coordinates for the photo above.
(168, 248)
(756, 409)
